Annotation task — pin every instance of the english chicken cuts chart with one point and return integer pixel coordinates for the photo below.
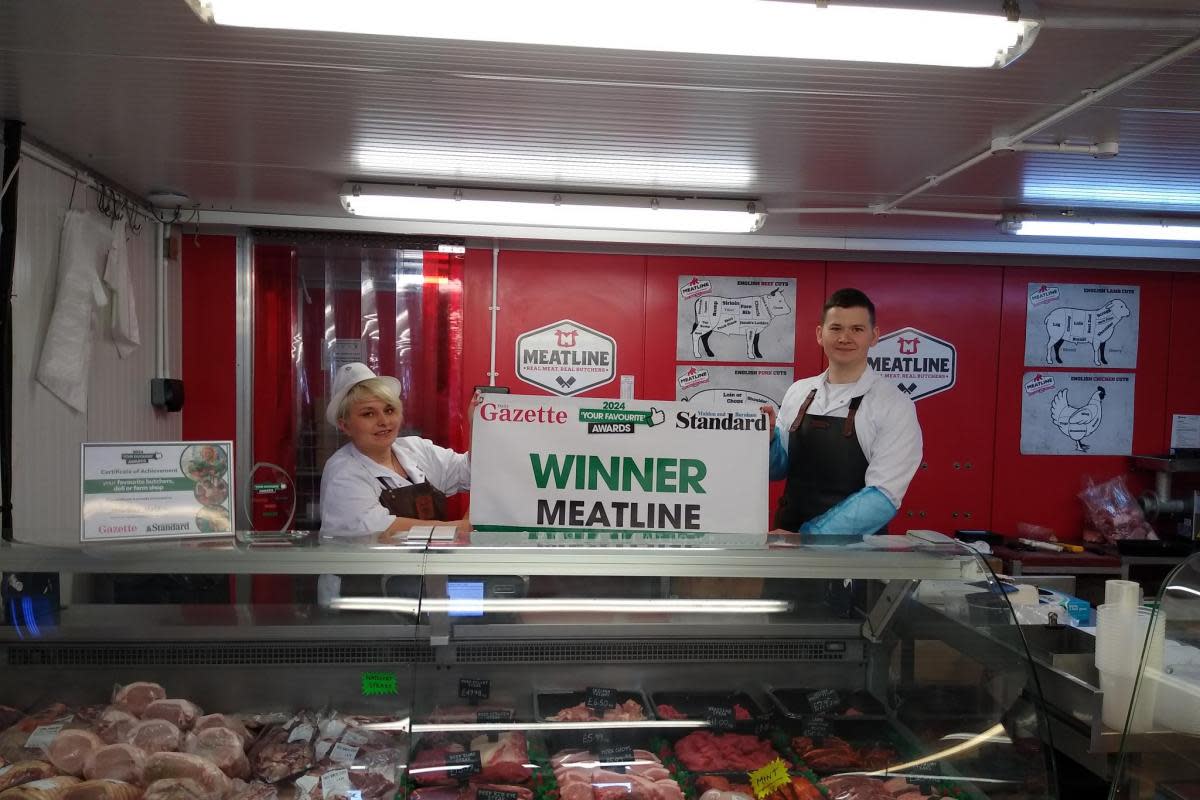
(1077, 413)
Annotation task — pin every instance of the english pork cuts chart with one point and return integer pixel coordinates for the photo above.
(735, 388)
(736, 319)
(1081, 325)
(1077, 413)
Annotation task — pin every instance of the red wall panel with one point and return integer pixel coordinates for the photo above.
(1043, 489)
(960, 305)
(604, 292)
(1183, 366)
(209, 328)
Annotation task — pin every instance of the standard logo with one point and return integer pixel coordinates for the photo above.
(566, 358)
(918, 364)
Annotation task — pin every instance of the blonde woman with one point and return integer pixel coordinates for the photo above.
(378, 482)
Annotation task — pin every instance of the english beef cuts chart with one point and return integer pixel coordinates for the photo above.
(1081, 325)
(736, 319)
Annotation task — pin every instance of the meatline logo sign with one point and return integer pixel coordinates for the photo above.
(919, 364)
(566, 358)
(616, 470)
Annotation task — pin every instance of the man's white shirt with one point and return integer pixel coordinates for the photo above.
(886, 425)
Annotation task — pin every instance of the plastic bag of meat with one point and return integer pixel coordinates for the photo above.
(255, 790)
(370, 778)
(70, 750)
(180, 713)
(27, 739)
(103, 789)
(344, 738)
(284, 751)
(176, 789)
(186, 765)
(1111, 511)
(24, 772)
(119, 762)
(113, 725)
(222, 747)
(155, 736)
(9, 716)
(134, 697)
(48, 789)
(227, 721)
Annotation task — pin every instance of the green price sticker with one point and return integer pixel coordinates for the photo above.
(769, 778)
(379, 683)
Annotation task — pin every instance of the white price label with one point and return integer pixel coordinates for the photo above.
(323, 748)
(356, 738)
(335, 782)
(343, 753)
(301, 732)
(305, 784)
(42, 736)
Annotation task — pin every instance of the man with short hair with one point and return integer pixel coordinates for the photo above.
(847, 440)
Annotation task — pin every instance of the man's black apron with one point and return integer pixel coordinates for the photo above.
(825, 465)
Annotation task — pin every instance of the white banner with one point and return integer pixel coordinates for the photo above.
(144, 490)
(551, 464)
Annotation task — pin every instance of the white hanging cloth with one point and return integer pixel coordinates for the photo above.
(89, 248)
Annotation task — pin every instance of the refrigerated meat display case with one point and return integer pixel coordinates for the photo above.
(585, 672)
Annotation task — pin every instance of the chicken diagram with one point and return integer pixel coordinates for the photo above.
(1077, 422)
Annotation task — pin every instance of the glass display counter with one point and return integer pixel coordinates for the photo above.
(583, 672)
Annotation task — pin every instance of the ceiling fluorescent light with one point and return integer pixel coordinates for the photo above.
(609, 212)
(756, 28)
(1152, 230)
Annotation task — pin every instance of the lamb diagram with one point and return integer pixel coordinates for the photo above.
(1093, 326)
(1080, 422)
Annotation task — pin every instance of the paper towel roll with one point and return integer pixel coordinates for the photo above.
(1127, 594)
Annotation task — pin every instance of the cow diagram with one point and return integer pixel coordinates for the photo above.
(1094, 326)
(734, 316)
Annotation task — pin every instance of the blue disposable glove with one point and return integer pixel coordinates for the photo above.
(777, 468)
(862, 513)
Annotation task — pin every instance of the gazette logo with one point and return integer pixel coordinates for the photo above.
(920, 365)
(140, 457)
(566, 358)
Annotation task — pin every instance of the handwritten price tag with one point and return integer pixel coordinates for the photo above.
(767, 779)
(474, 688)
(379, 683)
(824, 700)
(599, 698)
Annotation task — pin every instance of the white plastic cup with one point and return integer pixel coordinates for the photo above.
(1118, 695)
(1122, 593)
(1121, 639)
